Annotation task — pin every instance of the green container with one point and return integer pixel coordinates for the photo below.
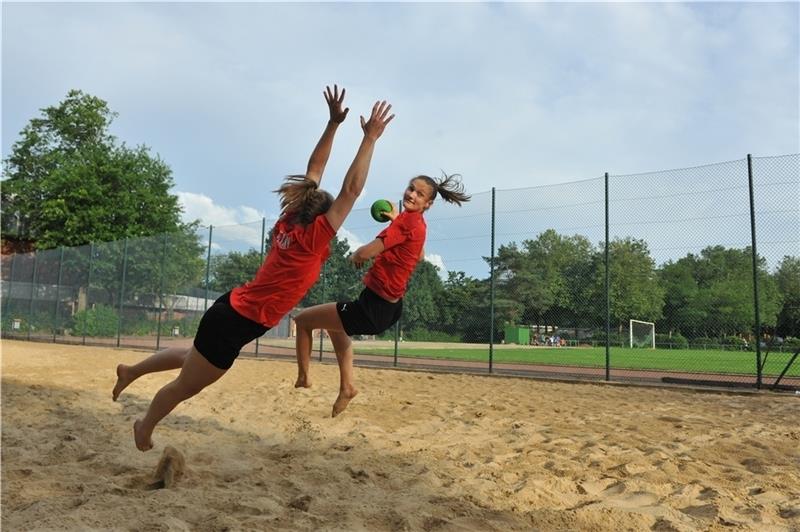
(517, 335)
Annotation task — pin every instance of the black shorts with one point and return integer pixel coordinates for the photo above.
(369, 314)
(223, 332)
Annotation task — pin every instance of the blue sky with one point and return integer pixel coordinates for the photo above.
(509, 95)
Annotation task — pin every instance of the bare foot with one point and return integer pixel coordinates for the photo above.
(343, 400)
(302, 382)
(143, 442)
(123, 380)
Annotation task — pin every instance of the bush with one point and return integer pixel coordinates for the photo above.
(98, 321)
(676, 341)
(139, 326)
(425, 335)
(599, 337)
(790, 343)
(734, 342)
(704, 341)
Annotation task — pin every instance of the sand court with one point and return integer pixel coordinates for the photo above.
(414, 451)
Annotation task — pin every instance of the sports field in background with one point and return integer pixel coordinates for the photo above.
(687, 360)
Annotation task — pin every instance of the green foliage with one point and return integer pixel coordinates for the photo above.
(734, 342)
(787, 278)
(98, 321)
(547, 277)
(676, 341)
(636, 291)
(233, 269)
(790, 343)
(70, 182)
(420, 310)
(712, 293)
(339, 280)
(704, 342)
(425, 335)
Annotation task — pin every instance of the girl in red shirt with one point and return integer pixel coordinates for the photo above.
(396, 250)
(309, 219)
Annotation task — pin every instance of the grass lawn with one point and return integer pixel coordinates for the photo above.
(690, 360)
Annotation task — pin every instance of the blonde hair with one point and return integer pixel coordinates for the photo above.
(302, 200)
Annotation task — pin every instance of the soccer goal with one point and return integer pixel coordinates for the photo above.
(642, 334)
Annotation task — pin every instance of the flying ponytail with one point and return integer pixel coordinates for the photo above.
(449, 187)
(302, 200)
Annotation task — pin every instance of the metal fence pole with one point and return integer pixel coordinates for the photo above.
(122, 289)
(7, 302)
(397, 325)
(33, 284)
(608, 291)
(58, 294)
(161, 292)
(88, 290)
(754, 254)
(208, 266)
(322, 331)
(491, 292)
(263, 236)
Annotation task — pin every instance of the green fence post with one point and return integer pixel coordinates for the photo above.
(754, 254)
(321, 331)
(491, 293)
(263, 236)
(397, 325)
(208, 266)
(122, 289)
(88, 290)
(608, 291)
(7, 301)
(161, 291)
(58, 294)
(33, 284)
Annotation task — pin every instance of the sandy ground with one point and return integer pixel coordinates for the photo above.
(414, 451)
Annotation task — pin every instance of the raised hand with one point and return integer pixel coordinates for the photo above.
(373, 128)
(335, 100)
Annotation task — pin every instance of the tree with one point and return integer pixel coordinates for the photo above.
(233, 269)
(339, 279)
(464, 308)
(69, 182)
(420, 310)
(711, 294)
(548, 277)
(682, 310)
(635, 290)
(788, 280)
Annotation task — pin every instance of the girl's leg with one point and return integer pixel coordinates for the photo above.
(318, 317)
(196, 374)
(344, 356)
(166, 359)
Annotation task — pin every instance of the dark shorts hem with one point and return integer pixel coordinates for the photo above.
(369, 314)
(223, 332)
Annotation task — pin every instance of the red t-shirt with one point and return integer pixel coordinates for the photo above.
(290, 269)
(403, 241)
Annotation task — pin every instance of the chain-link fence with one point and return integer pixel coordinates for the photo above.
(683, 276)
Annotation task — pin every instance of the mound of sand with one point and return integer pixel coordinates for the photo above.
(414, 451)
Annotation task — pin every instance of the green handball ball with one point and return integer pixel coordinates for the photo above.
(379, 210)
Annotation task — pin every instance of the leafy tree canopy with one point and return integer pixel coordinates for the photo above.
(69, 182)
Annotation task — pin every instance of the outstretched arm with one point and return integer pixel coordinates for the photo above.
(367, 252)
(319, 157)
(357, 173)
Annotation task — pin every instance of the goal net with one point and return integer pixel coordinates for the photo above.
(642, 334)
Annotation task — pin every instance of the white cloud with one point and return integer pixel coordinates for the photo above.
(351, 238)
(233, 228)
(437, 261)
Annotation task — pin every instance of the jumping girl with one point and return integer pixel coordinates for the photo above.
(396, 250)
(309, 219)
